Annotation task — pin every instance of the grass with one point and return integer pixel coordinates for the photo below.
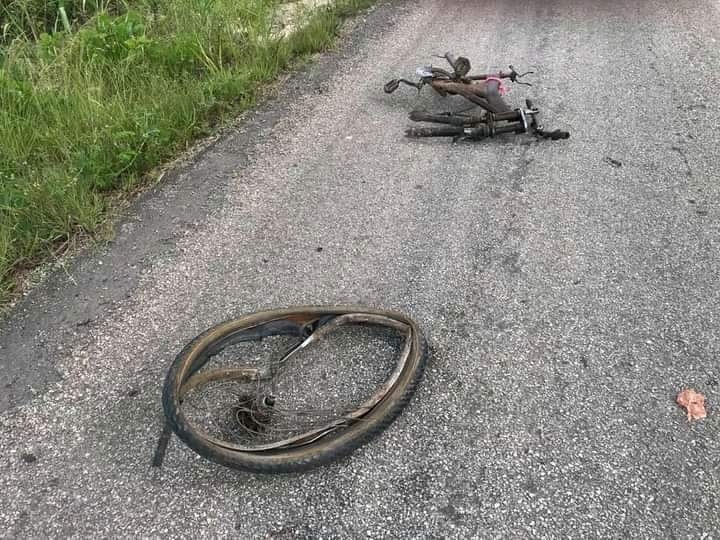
(95, 94)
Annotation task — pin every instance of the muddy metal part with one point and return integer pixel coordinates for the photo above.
(483, 90)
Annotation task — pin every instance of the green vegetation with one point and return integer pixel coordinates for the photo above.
(94, 94)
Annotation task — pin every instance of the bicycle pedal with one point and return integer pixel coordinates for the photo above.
(391, 86)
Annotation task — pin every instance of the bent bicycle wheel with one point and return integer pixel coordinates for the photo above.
(291, 389)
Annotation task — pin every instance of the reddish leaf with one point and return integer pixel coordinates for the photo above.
(694, 402)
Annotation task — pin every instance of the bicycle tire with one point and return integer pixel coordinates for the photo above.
(445, 118)
(445, 131)
(296, 459)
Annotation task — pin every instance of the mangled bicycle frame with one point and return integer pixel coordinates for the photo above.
(485, 91)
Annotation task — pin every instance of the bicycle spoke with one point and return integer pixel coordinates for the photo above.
(316, 386)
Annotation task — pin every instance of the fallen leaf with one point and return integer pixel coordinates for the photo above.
(694, 402)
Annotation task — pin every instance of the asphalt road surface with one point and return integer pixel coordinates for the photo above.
(569, 290)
